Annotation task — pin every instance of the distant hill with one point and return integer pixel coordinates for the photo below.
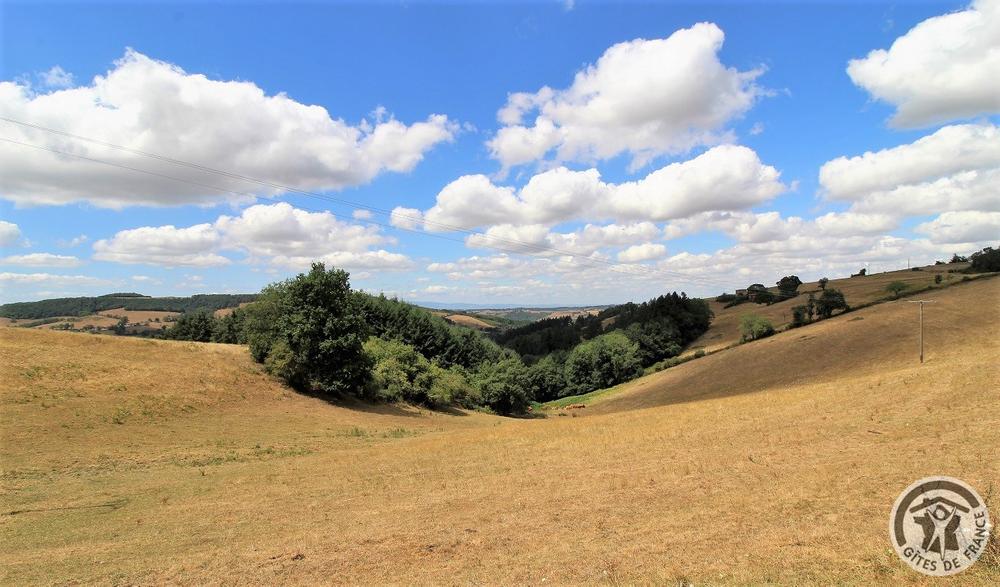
(470, 306)
(84, 306)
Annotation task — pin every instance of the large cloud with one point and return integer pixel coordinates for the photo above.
(948, 151)
(276, 234)
(944, 68)
(962, 227)
(726, 177)
(156, 107)
(167, 245)
(956, 169)
(642, 97)
(540, 240)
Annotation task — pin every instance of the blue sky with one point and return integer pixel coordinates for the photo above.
(78, 229)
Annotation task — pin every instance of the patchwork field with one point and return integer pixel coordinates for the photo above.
(138, 461)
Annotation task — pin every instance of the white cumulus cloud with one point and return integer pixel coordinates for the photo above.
(643, 252)
(962, 227)
(945, 68)
(645, 97)
(157, 107)
(277, 234)
(167, 245)
(726, 177)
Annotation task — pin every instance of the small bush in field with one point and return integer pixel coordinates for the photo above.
(754, 327)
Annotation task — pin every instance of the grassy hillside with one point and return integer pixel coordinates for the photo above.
(960, 328)
(140, 461)
(725, 328)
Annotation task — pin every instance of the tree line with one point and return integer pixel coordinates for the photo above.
(318, 335)
(84, 306)
(567, 356)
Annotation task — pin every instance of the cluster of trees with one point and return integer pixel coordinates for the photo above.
(788, 287)
(84, 306)
(203, 326)
(319, 336)
(986, 260)
(819, 308)
(568, 356)
(660, 327)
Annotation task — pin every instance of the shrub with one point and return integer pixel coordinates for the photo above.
(121, 326)
(725, 298)
(937, 278)
(799, 316)
(229, 328)
(895, 288)
(196, 326)
(765, 297)
(956, 258)
(546, 381)
(602, 362)
(502, 386)
(829, 301)
(399, 372)
(754, 327)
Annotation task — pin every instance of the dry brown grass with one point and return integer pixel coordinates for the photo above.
(725, 328)
(215, 474)
(146, 318)
(469, 322)
(78, 322)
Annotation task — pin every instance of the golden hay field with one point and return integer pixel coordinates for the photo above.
(773, 462)
(145, 317)
(469, 321)
(79, 322)
(725, 329)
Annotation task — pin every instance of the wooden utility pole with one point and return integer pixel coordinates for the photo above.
(921, 302)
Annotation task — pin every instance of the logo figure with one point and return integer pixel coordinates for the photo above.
(939, 526)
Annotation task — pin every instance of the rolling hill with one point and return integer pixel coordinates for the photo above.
(143, 461)
(858, 291)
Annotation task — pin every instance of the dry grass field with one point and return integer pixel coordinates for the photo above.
(725, 329)
(469, 322)
(145, 317)
(78, 322)
(775, 462)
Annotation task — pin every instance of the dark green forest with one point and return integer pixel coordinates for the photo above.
(84, 306)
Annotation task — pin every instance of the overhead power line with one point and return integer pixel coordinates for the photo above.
(517, 245)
